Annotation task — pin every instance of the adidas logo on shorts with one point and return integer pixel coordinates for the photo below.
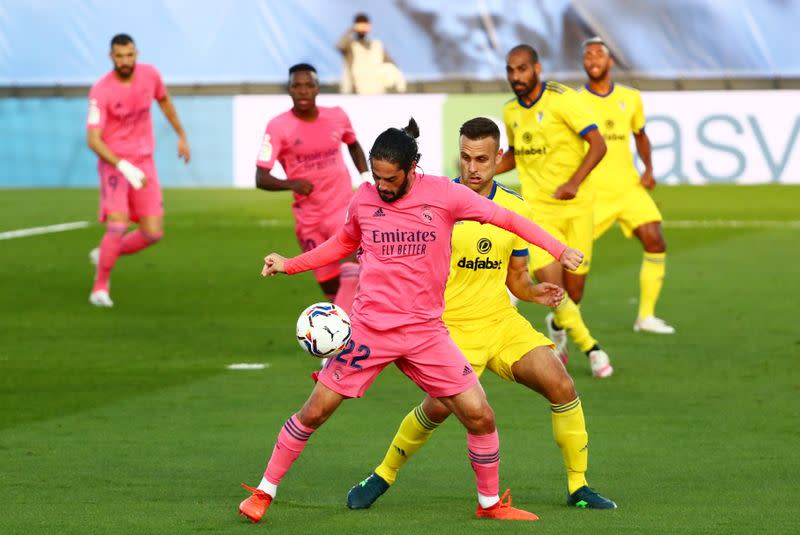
(379, 213)
(467, 370)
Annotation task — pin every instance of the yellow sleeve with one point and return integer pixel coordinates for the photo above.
(575, 113)
(637, 120)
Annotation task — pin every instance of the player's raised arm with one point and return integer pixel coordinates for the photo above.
(469, 205)
(331, 250)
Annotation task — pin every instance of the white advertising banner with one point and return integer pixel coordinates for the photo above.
(698, 137)
(370, 115)
(710, 137)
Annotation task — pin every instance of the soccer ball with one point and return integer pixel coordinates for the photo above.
(323, 329)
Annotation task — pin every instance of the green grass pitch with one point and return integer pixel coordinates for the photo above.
(127, 420)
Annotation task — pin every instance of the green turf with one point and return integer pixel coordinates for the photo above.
(126, 420)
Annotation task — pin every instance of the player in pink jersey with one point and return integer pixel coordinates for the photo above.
(120, 132)
(403, 226)
(307, 140)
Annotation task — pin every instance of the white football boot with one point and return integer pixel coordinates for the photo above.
(558, 337)
(101, 299)
(652, 324)
(600, 363)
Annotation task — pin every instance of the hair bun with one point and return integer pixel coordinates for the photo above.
(412, 129)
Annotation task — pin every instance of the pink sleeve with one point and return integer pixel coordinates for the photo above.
(160, 89)
(348, 135)
(527, 230)
(469, 205)
(270, 147)
(341, 244)
(334, 248)
(96, 117)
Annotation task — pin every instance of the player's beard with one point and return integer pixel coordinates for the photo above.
(396, 195)
(599, 77)
(523, 90)
(125, 72)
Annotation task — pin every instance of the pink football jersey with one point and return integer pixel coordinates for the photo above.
(405, 245)
(122, 111)
(311, 151)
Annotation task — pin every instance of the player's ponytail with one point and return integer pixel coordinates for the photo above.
(397, 146)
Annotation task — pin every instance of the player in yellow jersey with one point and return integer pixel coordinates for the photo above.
(620, 191)
(492, 334)
(547, 125)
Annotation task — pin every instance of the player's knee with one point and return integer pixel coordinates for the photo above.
(652, 239)
(479, 420)
(313, 416)
(659, 244)
(435, 411)
(576, 294)
(315, 412)
(561, 390)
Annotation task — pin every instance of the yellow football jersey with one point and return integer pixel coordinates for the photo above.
(620, 114)
(548, 143)
(476, 286)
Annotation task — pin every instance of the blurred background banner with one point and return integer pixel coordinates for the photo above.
(43, 143)
(65, 42)
(699, 137)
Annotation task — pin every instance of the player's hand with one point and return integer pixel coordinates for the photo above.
(647, 179)
(547, 294)
(301, 186)
(566, 191)
(183, 149)
(571, 258)
(132, 174)
(273, 263)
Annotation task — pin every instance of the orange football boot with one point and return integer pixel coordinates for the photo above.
(504, 511)
(256, 505)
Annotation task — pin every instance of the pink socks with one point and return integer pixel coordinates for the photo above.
(109, 251)
(291, 441)
(484, 455)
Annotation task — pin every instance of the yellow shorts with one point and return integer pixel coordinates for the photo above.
(497, 343)
(632, 209)
(572, 227)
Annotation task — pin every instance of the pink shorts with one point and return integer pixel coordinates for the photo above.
(311, 235)
(424, 352)
(118, 196)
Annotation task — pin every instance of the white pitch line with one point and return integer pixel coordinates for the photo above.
(50, 229)
(726, 223)
(248, 366)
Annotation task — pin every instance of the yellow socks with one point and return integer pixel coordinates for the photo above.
(569, 430)
(413, 433)
(568, 316)
(651, 278)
